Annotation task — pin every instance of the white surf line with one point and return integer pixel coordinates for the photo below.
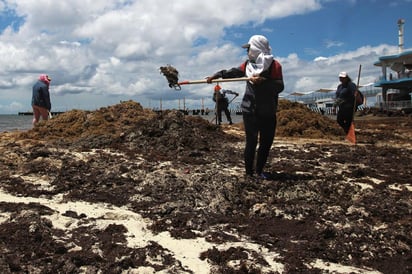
(187, 251)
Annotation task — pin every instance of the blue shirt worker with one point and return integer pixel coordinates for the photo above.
(40, 100)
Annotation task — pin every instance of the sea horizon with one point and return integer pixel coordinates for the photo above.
(15, 122)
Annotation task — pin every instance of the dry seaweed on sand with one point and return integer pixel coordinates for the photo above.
(124, 189)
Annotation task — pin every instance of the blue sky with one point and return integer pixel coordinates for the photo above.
(101, 52)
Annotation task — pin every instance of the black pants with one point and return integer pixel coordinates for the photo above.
(345, 117)
(260, 129)
(223, 107)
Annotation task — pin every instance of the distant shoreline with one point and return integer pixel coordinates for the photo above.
(26, 113)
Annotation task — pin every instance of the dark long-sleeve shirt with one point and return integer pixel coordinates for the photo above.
(261, 99)
(346, 94)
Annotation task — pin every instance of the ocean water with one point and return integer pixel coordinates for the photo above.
(15, 122)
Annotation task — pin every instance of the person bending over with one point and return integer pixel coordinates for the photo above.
(222, 103)
(40, 101)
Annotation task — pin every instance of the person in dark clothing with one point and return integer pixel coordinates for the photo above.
(345, 100)
(259, 103)
(222, 103)
(40, 100)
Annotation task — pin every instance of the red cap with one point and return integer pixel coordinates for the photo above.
(45, 78)
(217, 88)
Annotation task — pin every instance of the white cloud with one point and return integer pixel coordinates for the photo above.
(330, 43)
(322, 71)
(320, 59)
(113, 48)
(13, 107)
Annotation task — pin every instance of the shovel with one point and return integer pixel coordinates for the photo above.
(189, 82)
(172, 74)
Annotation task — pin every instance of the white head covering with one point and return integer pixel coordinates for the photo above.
(343, 74)
(260, 55)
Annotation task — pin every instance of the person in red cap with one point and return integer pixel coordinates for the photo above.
(259, 103)
(222, 103)
(40, 100)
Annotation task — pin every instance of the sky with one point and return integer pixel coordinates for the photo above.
(99, 53)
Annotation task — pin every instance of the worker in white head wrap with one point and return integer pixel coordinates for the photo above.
(259, 102)
(260, 55)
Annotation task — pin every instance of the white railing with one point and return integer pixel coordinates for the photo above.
(394, 104)
(324, 111)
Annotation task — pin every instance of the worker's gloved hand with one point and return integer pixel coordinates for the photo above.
(338, 102)
(209, 79)
(256, 80)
